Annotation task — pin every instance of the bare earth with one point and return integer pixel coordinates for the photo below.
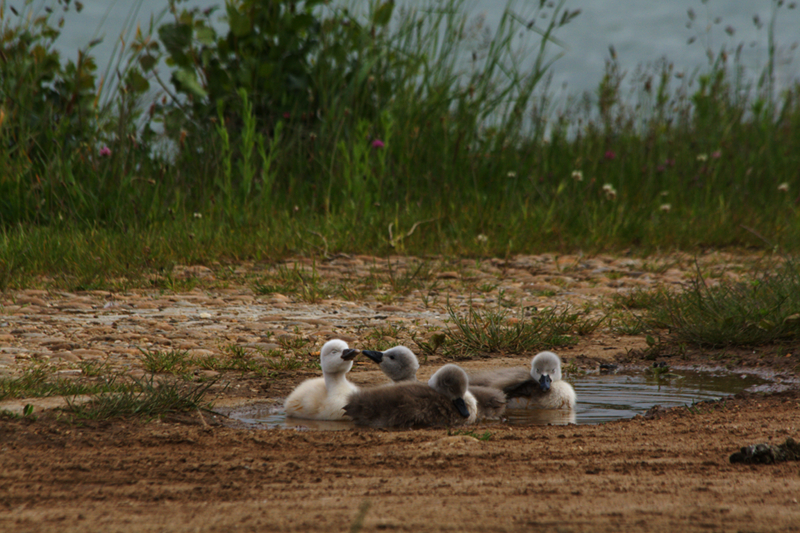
(666, 471)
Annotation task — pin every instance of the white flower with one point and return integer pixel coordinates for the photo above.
(702, 157)
(577, 175)
(664, 193)
(482, 238)
(512, 174)
(610, 191)
(665, 208)
(197, 215)
(783, 187)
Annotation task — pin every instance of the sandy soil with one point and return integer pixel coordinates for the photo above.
(665, 471)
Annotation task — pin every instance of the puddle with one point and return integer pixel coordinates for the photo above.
(601, 398)
(264, 416)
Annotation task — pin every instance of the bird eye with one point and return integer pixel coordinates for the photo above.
(391, 357)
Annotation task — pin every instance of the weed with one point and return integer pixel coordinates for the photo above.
(628, 324)
(161, 361)
(495, 331)
(36, 382)
(93, 369)
(146, 398)
(763, 309)
(587, 326)
(292, 342)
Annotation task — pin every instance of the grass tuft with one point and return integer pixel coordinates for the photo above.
(162, 361)
(37, 382)
(763, 309)
(479, 333)
(147, 398)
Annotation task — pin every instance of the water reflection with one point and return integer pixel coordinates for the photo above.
(540, 417)
(602, 398)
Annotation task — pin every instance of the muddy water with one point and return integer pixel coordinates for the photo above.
(601, 398)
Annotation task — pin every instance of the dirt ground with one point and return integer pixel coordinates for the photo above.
(665, 471)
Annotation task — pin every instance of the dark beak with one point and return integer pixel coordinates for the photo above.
(544, 382)
(349, 354)
(462, 407)
(372, 354)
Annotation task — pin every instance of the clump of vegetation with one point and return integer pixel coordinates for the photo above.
(481, 333)
(761, 310)
(166, 361)
(38, 381)
(146, 398)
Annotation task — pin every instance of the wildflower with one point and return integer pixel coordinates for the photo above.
(610, 191)
(377, 143)
(665, 208)
(664, 193)
(702, 157)
(482, 238)
(577, 175)
(661, 168)
(105, 151)
(287, 115)
(197, 215)
(783, 187)
(716, 155)
(512, 174)
(610, 154)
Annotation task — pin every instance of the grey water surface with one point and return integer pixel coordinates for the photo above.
(641, 31)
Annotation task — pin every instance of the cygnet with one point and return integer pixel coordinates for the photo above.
(539, 388)
(401, 365)
(324, 398)
(444, 401)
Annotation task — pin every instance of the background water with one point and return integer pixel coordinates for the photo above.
(641, 31)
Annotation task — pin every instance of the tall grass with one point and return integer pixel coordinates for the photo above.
(414, 131)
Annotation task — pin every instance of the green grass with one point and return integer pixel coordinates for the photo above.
(477, 159)
(762, 309)
(240, 359)
(147, 398)
(166, 361)
(37, 381)
(486, 332)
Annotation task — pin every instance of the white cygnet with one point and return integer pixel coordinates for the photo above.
(539, 388)
(324, 398)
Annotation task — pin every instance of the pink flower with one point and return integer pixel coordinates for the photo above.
(105, 151)
(610, 154)
(377, 143)
(287, 115)
(716, 155)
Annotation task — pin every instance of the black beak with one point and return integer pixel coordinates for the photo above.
(372, 354)
(350, 354)
(462, 407)
(544, 382)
